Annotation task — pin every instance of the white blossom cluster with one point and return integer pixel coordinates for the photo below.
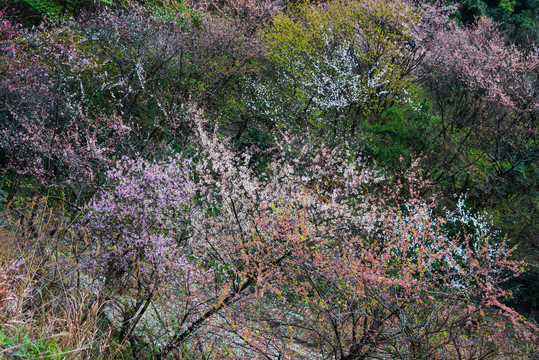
(333, 80)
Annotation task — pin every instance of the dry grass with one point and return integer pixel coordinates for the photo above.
(45, 312)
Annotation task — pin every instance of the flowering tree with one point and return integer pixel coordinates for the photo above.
(486, 93)
(309, 262)
(137, 231)
(46, 130)
(343, 59)
(79, 94)
(203, 51)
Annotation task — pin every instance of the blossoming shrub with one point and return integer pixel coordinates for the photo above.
(317, 257)
(137, 231)
(138, 216)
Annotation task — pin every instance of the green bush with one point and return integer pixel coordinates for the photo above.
(399, 132)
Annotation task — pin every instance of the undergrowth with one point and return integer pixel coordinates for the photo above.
(45, 311)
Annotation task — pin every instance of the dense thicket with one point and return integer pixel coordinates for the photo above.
(265, 179)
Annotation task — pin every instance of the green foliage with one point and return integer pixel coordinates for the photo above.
(399, 132)
(524, 290)
(518, 17)
(508, 6)
(50, 8)
(58, 9)
(175, 11)
(21, 346)
(471, 9)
